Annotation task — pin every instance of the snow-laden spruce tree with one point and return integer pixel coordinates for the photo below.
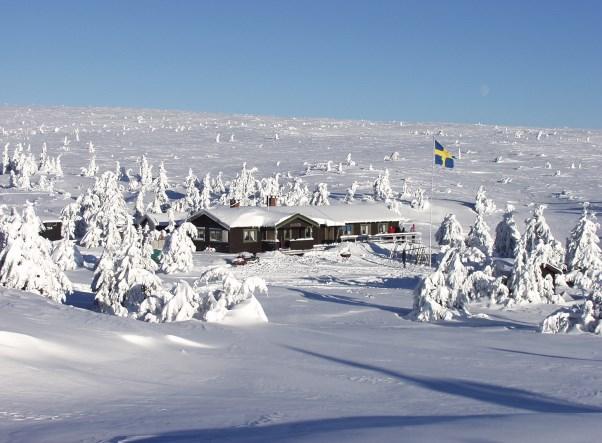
(483, 205)
(161, 184)
(382, 187)
(92, 168)
(5, 165)
(443, 294)
(67, 255)
(583, 255)
(69, 217)
(296, 194)
(269, 187)
(482, 284)
(479, 236)
(191, 202)
(25, 261)
(217, 184)
(103, 213)
(507, 235)
(537, 229)
(583, 317)
(527, 283)
(179, 249)
(419, 201)
(145, 173)
(244, 187)
(350, 194)
(182, 304)
(450, 233)
(320, 196)
(139, 210)
(123, 282)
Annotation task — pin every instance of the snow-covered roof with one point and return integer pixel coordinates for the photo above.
(163, 218)
(247, 216)
(335, 215)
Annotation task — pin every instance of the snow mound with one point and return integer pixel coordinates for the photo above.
(247, 312)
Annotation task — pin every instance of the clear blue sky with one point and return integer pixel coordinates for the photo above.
(510, 62)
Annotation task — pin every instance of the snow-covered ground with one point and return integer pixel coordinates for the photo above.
(337, 360)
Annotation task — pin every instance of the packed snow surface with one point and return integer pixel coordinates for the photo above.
(327, 354)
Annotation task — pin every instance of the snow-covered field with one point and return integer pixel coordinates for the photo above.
(337, 359)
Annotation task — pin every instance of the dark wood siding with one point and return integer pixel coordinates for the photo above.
(52, 230)
(204, 224)
(238, 245)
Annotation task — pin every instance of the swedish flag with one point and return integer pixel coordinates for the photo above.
(443, 157)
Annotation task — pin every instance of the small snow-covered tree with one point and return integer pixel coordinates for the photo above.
(92, 168)
(296, 194)
(583, 317)
(537, 229)
(67, 255)
(178, 249)
(161, 184)
(479, 236)
(145, 174)
(419, 201)
(182, 305)
(4, 167)
(218, 184)
(527, 283)
(243, 188)
(320, 195)
(216, 301)
(507, 235)
(443, 294)
(382, 187)
(25, 261)
(483, 205)
(583, 255)
(350, 195)
(450, 233)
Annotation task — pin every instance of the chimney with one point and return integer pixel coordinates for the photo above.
(234, 203)
(272, 201)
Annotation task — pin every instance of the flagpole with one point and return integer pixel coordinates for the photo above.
(431, 205)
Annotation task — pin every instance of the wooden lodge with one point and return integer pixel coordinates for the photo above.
(259, 229)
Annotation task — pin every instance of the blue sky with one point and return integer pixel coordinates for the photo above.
(508, 62)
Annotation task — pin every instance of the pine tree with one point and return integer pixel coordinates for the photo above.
(382, 187)
(25, 261)
(320, 196)
(443, 294)
(179, 249)
(537, 229)
(483, 205)
(67, 255)
(527, 283)
(507, 235)
(182, 305)
(479, 236)
(450, 233)
(583, 255)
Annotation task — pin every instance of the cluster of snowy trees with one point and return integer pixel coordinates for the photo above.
(22, 166)
(584, 269)
(26, 260)
(466, 273)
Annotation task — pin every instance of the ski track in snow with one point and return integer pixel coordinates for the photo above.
(337, 361)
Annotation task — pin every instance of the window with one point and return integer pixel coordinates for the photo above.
(348, 230)
(218, 235)
(365, 229)
(249, 235)
(308, 232)
(382, 228)
(200, 233)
